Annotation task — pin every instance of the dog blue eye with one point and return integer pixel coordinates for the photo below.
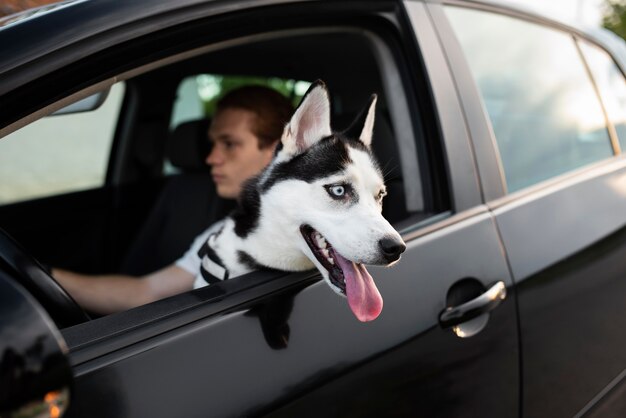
(341, 191)
(337, 190)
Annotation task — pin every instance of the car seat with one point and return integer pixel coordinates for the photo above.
(185, 207)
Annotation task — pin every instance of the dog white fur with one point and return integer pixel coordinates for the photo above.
(315, 208)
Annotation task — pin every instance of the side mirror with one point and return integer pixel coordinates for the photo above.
(35, 375)
(87, 104)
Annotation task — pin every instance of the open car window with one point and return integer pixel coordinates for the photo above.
(157, 99)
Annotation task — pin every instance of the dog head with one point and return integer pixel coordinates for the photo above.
(336, 206)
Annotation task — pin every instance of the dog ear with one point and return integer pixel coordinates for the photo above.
(362, 127)
(310, 122)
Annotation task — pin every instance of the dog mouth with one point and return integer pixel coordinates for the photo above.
(347, 277)
(326, 255)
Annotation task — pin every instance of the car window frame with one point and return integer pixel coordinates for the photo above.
(92, 339)
(580, 41)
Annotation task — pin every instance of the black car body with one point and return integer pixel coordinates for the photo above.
(502, 131)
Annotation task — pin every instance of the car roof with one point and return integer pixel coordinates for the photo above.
(42, 32)
(21, 16)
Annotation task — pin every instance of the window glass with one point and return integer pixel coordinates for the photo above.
(611, 84)
(543, 108)
(59, 153)
(197, 96)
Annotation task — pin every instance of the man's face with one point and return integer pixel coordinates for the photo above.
(235, 156)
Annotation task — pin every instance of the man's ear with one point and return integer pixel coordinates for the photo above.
(362, 127)
(310, 122)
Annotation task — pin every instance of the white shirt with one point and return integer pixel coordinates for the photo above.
(190, 261)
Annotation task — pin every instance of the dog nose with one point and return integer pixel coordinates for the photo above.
(392, 248)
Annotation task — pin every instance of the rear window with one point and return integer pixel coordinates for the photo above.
(544, 110)
(197, 95)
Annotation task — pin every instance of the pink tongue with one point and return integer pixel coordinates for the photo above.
(363, 296)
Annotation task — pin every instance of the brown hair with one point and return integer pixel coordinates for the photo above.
(271, 108)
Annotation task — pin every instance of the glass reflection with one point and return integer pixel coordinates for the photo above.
(544, 111)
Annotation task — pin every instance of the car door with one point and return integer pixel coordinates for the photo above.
(562, 220)
(283, 344)
(286, 346)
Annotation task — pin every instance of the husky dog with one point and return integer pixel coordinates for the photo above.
(317, 204)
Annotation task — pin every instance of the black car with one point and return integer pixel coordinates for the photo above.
(501, 132)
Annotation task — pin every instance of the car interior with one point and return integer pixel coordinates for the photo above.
(145, 216)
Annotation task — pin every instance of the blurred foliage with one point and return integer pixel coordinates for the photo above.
(614, 18)
(217, 86)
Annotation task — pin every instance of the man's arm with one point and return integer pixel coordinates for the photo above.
(107, 294)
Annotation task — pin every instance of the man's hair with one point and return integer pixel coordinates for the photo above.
(272, 111)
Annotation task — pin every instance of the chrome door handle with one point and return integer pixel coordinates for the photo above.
(484, 303)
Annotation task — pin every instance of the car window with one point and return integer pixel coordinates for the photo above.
(197, 96)
(545, 113)
(60, 153)
(143, 216)
(612, 85)
(188, 104)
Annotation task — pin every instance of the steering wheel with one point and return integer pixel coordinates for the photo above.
(30, 273)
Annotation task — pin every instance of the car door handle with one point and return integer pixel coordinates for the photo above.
(484, 303)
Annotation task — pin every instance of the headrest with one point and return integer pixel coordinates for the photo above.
(188, 145)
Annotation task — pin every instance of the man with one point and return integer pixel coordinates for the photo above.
(245, 129)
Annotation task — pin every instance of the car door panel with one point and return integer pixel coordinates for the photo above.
(554, 223)
(432, 372)
(569, 266)
(223, 365)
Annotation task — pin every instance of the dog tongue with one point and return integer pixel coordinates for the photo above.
(363, 296)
